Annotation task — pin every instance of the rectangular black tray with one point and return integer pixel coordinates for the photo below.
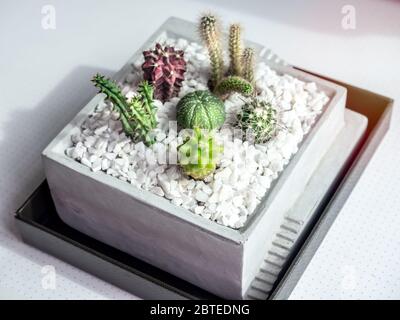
(41, 227)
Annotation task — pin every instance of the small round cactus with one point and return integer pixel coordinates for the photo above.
(258, 120)
(199, 154)
(200, 109)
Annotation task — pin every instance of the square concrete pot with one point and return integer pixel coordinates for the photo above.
(216, 258)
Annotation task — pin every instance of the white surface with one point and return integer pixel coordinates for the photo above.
(44, 80)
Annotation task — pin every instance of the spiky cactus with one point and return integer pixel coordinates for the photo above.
(235, 50)
(210, 33)
(234, 84)
(199, 154)
(164, 68)
(258, 120)
(248, 64)
(136, 115)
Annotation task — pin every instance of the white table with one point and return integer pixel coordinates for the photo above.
(44, 80)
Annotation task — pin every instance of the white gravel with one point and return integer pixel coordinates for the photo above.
(232, 193)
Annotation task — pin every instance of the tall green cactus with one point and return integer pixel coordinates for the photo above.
(248, 64)
(241, 69)
(235, 50)
(136, 115)
(210, 33)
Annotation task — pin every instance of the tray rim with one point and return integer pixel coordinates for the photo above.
(308, 247)
(321, 226)
(22, 223)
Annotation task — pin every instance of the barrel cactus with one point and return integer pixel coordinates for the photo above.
(200, 109)
(199, 154)
(258, 120)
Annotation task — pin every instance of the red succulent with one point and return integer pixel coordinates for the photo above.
(164, 68)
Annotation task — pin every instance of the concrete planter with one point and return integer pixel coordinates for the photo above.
(221, 260)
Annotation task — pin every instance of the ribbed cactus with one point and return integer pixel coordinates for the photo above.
(199, 154)
(138, 114)
(248, 64)
(210, 33)
(200, 109)
(234, 84)
(258, 120)
(235, 50)
(165, 69)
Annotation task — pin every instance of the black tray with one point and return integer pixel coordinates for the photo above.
(41, 227)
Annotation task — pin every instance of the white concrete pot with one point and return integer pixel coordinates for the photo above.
(216, 258)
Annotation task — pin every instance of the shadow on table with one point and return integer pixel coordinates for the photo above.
(28, 131)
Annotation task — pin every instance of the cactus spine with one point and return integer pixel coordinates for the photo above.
(248, 64)
(210, 34)
(235, 50)
(234, 84)
(258, 119)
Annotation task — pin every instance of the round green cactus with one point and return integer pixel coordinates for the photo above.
(258, 119)
(199, 154)
(200, 109)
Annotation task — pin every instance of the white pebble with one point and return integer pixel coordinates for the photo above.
(201, 196)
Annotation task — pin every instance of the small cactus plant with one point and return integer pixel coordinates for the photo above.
(235, 50)
(234, 84)
(200, 109)
(236, 81)
(248, 64)
(164, 68)
(210, 33)
(138, 114)
(199, 154)
(258, 120)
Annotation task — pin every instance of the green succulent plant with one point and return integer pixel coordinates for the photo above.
(138, 115)
(210, 33)
(248, 64)
(235, 49)
(199, 154)
(234, 84)
(200, 109)
(258, 120)
(240, 71)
